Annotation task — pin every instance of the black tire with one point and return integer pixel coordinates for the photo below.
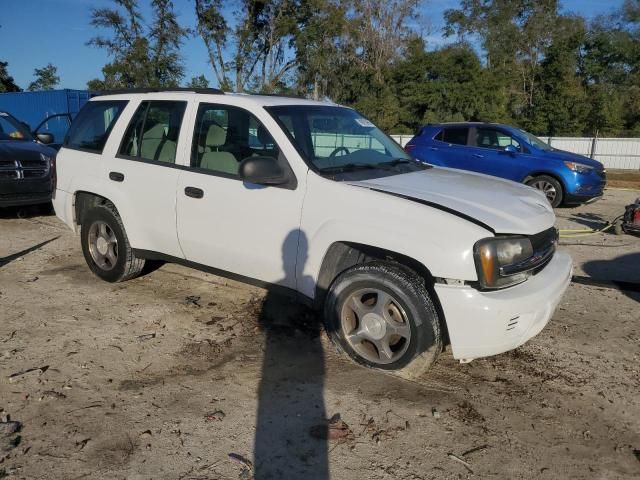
(409, 292)
(537, 182)
(127, 265)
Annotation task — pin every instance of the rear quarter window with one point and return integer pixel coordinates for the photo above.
(91, 128)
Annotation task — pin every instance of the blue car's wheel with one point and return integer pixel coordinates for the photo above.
(550, 187)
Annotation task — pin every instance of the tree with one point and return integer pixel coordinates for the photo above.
(198, 82)
(46, 78)
(141, 56)
(253, 53)
(7, 84)
(515, 35)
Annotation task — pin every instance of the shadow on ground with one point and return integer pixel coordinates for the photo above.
(29, 211)
(622, 272)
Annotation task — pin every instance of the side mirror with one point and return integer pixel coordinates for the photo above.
(262, 170)
(511, 149)
(45, 138)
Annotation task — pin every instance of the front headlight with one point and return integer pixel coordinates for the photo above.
(578, 167)
(493, 256)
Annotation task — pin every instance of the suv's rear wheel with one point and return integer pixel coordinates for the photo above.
(551, 187)
(382, 316)
(106, 247)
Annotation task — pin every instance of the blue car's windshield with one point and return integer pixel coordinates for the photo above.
(535, 141)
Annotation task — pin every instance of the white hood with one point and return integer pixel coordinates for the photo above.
(505, 206)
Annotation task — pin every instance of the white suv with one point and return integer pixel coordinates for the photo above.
(312, 198)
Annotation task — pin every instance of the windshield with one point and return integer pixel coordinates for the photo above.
(334, 139)
(535, 141)
(12, 129)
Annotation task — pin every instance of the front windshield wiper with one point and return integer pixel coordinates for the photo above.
(350, 167)
(405, 161)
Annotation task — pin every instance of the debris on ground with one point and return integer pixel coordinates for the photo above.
(9, 438)
(460, 460)
(216, 416)
(333, 429)
(192, 300)
(36, 370)
(247, 466)
(52, 395)
(147, 336)
(474, 450)
(82, 443)
(435, 413)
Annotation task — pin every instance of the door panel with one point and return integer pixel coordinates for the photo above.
(143, 178)
(449, 147)
(242, 228)
(487, 154)
(225, 223)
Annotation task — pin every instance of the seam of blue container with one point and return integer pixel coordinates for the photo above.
(33, 107)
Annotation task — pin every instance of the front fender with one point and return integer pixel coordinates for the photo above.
(338, 212)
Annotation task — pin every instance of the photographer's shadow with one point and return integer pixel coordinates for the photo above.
(291, 390)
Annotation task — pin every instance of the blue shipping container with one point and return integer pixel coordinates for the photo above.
(33, 107)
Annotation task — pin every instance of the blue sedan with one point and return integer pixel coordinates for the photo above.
(511, 153)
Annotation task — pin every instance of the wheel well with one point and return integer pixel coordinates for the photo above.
(84, 201)
(343, 255)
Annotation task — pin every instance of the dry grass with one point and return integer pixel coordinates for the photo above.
(623, 179)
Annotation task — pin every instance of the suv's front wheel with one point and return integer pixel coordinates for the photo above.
(106, 247)
(382, 316)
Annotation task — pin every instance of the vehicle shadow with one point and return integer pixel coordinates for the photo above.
(291, 390)
(28, 211)
(14, 256)
(589, 220)
(622, 272)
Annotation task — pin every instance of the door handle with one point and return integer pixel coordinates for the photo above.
(435, 149)
(194, 192)
(477, 155)
(116, 176)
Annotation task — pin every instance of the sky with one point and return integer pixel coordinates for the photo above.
(36, 32)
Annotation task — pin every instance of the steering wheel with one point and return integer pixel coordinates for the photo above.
(339, 149)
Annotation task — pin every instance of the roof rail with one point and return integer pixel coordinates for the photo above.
(210, 91)
(285, 95)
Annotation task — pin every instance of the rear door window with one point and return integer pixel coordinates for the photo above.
(92, 126)
(153, 131)
(454, 135)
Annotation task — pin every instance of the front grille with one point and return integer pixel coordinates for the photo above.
(19, 169)
(543, 240)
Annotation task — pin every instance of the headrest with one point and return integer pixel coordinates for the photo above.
(216, 135)
(157, 131)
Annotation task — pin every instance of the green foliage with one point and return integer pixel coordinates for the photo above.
(142, 56)
(7, 84)
(46, 78)
(520, 62)
(198, 82)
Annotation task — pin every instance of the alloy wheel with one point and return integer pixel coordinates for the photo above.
(103, 245)
(547, 188)
(375, 325)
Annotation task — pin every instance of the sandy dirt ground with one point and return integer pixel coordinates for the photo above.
(184, 375)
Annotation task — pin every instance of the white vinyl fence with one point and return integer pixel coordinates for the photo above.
(623, 153)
